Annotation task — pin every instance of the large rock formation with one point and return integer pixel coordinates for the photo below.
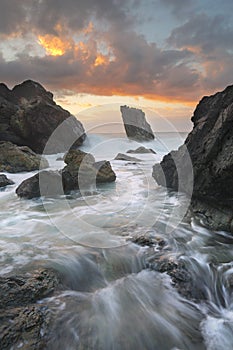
(136, 126)
(16, 159)
(28, 117)
(80, 173)
(210, 147)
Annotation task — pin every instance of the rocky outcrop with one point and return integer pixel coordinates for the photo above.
(15, 159)
(29, 116)
(209, 147)
(141, 150)
(124, 157)
(80, 173)
(45, 183)
(25, 324)
(4, 181)
(136, 126)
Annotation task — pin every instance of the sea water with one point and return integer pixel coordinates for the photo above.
(112, 299)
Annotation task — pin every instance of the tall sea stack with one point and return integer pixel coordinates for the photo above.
(136, 126)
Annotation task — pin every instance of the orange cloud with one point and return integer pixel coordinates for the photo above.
(101, 60)
(54, 45)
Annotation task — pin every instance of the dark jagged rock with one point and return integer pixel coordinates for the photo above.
(148, 240)
(23, 323)
(186, 284)
(136, 126)
(210, 147)
(141, 150)
(46, 184)
(4, 181)
(126, 158)
(104, 172)
(80, 173)
(29, 116)
(15, 159)
(22, 290)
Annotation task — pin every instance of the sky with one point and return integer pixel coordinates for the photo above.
(95, 55)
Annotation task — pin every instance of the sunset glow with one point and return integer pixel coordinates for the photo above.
(53, 45)
(171, 52)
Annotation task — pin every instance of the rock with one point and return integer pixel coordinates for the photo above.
(80, 173)
(210, 146)
(25, 324)
(141, 150)
(148, 240)
(45, 183)
(24, 328)
(26, 289)
(29, 116)
(186, 284)
(15, 159)
(136, 126)
(4, 181)
(104, 172)
(126, 158)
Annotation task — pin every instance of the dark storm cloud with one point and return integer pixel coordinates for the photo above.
(12, 16)
(204, 32)
(198, 55)
(44, 15)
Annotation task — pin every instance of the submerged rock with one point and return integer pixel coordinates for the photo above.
(4, 181)
(141, 150)
(80, 173)
(136, 126)
(210, 148)
(15, 159)
(29, 116)
(126, 158)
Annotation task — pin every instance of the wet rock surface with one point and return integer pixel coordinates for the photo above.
(141, 150)
(24, 324)
(4, 181)
(15, 159)
(210, 148)
(45, 183)
(29, 115)
(80, 173)
(136, 125)
(124, 157)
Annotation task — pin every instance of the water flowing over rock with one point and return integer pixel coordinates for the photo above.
(15, 159)
(29, 116)
(4, 181)
(80, 173)
(136, 126)
(210, 146)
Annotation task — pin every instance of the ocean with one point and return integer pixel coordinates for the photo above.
(114, 299)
